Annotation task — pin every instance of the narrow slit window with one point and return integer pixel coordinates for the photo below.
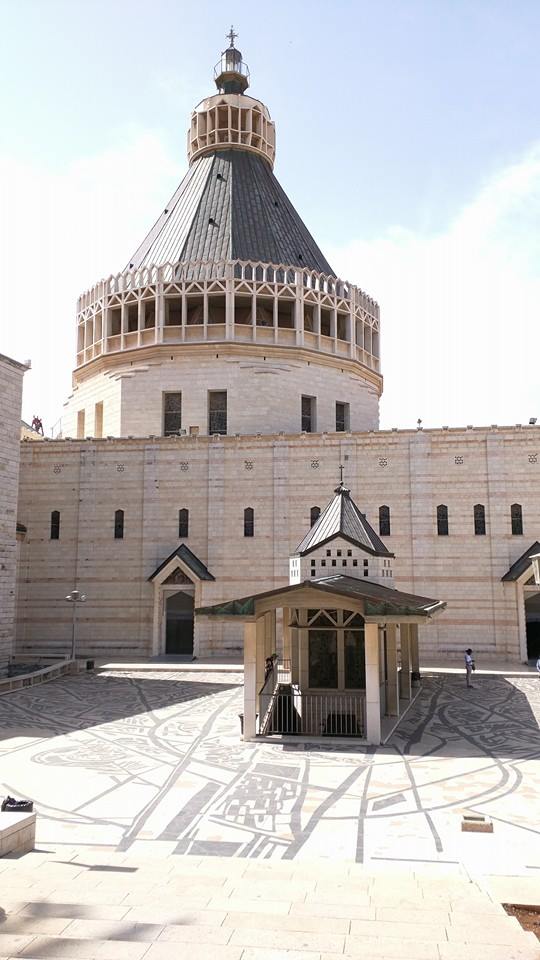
(249, 522)
(55, 525)
(479, 519)
(442, 520)
(308, 414)
(516, 516)
(183, 523)
(314, 515)
(119, 525)
(384, 521)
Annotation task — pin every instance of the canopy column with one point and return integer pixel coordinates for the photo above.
(392, 684)
(286, 633)
(373, 693)
(250, 680)
(405, 675)
(414, 655)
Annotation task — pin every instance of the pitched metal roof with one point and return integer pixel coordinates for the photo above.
(183, 553)
(379, 600)
(342, 518)
(230, 206)
(522, 563)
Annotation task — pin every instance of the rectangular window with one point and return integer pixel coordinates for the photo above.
(516, 517)
(342, 417)
(442, 520)
(98, 420)
(172, 414)
(479, 520)
(183, 523)
(308, 414)
(355, 669)
(80, 425)
(55, 525)
(217, 412)
(323, 667)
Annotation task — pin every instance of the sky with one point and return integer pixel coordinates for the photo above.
(408, 138)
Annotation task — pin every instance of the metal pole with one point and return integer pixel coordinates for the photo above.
(73, 630)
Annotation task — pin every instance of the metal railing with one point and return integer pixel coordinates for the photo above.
(291, 712)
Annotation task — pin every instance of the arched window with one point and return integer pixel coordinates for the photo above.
(384, 521)
(183, 523)
(516, 516)
(249, 522)
(442, 520)
(479, 519)
(55, 525)
(118, 524)
(314, 515)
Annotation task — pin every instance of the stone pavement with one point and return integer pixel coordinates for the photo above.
(88, 903)
(153, 762)
(325, 851)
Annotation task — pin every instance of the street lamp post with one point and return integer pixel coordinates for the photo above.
(74, 598)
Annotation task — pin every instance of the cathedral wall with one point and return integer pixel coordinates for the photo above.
(98, 389)
(11, 382)
(281, 478)
(263, 395)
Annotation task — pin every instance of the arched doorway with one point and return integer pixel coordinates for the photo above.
(179, 618)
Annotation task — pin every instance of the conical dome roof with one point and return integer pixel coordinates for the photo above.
(230, 206)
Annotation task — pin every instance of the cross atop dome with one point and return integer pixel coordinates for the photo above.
(231, 74)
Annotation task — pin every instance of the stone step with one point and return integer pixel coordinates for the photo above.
(87, 903)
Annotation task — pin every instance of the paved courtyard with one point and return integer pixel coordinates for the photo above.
(152, 763)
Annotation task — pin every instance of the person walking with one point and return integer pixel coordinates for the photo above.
(469, 667)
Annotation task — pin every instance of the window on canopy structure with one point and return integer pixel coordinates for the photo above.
(323, 661)
(516, 517)
(183, 523)
(314, 515)
(384, 521)
(479, 519)
(442, 520)
(249, 522)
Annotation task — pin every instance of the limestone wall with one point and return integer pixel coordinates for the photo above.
(263, 393)
(11, 380)
(102, 388)
(281, 477)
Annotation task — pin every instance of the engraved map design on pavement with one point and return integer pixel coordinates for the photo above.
(153, 761)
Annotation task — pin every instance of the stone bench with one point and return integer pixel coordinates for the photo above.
(17, 832)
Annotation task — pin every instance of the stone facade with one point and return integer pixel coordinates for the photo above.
(11, 382)
(281, 478)
(264, 390)
(229, 293)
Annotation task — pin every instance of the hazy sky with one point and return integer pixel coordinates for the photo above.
(408, 138)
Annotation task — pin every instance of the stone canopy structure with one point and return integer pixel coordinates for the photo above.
(219, 381)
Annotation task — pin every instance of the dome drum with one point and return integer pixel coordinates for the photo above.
(228, 301)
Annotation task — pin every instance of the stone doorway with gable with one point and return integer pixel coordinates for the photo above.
(177, 585)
